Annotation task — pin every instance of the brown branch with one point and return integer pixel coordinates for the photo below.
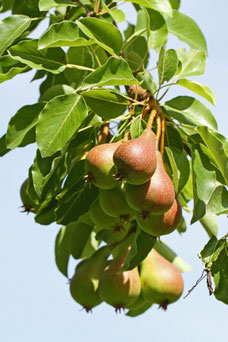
(151, 119)
(162, 144)
(104, 133)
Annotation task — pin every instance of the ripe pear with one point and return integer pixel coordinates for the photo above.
(99, 166)
(28, 203)
(100, 218)
(156, 195)
(84, 284)
(117, 288)
(135, 159)
(166, 223)
(161, 281)
(114, 204)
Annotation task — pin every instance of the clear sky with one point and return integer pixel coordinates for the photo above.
(35, 304)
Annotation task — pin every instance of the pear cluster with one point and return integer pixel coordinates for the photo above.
(98, 280)
(134, 185)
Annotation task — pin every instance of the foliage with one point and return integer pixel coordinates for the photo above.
(86, 67)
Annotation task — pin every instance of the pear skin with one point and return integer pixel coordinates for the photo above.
(135, 159)
(84, 284)
(99, 166)
(156, 196)
(161, 281)
(157, 225)
(117, 288)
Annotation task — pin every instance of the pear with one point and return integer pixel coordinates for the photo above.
(161, 281)
(114, 204)
(135, 159)
(117, 288)
(156, 195)
(84, 284)
(101, 219)
(28, 203)
(166, 223)
(99, 166)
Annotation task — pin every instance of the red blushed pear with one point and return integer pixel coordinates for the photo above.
(117, 288)
(161, 281)
(164, 224)
(84, 284)
(99, 166)
(156, 196)
(135, 159)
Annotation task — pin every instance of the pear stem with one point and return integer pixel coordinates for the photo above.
(158, 132)
(151, 119)
(162, 144)
(104, 133)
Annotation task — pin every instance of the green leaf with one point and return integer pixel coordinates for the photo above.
(79, 237)
(162, 248)
(62, 252)
(106, 102)
(114, 72)
(53, 60)
(6, 5)
(56, 90)
(10, 67)
(218, 203)
(219, 272)
(58, 122)
(157, 31)
(186, 30)
(136, 53)
(77, 205)
(175, 4)
(174, 138)
(11, 28)
(137, 127)
(104, 33)
(198, 88)
(117, 15)
(217, 145)
(80, 56)
(204, 182)
(21, 128)
(162, 6)
(191, 111)
(211, 251)
(167, 64)
(180, 167)
(193, 62)
(45, 5)
(210, 224)
(141, 246)
(65, 33)
(46, 213)
(3, 147)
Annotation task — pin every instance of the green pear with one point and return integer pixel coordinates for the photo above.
(117, 288)
(100, 167)
(101, 219)
(28, 204)
(166, 223)
(156, 195)
(161, 281)
(84, 284)
(135, 159)
(114, 204)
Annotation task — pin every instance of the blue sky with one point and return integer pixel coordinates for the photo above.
(35, 301)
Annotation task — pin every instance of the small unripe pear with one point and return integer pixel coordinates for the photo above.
(28, 203)
(166, 223)
(99, 166)
(114, 204)
(84, 284)
(156, 196)
(135, 159)
(100, 218)
(117, 288)
(161, 281)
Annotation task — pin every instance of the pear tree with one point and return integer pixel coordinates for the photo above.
(119, 163)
